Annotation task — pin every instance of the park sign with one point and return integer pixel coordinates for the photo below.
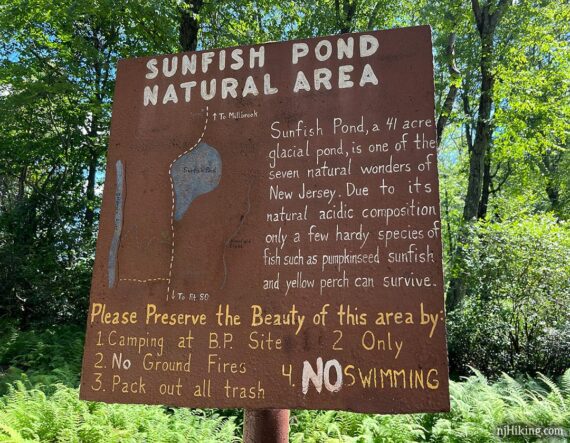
(270, 233)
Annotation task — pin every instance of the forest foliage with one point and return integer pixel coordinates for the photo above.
(502, 104)
(502, 75)
(39, 402)
(478, 409)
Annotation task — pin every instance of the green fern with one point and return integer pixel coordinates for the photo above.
(477, 409)
(555, 391)
(565, 383)
(62, 417)
(9, 435)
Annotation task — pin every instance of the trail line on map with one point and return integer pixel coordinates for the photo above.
(169, 279)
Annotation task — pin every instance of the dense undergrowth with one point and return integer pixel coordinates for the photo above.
(46, 357)
(39, 375)
(31, 415)
(478, 408)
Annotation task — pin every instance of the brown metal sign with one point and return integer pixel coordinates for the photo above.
(270, 230)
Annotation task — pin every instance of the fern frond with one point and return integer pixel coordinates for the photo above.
(14, 435)
(565, 382)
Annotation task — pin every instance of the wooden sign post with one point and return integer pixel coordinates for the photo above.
(270, 233)
(266, 425)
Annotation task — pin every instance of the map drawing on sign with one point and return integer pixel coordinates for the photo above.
(194, 172)
(270, 231)
(119, 201)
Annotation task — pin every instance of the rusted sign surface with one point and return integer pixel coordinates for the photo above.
(270, 230)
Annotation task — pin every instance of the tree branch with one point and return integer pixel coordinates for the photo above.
(495, 189)
(337, 12)
(477, 13)
(451, 94)
(349, 12)
(189, 24)
(496, 16)
(467, 111)
(373, 15)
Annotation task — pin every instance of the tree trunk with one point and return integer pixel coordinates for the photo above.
(93, 133)
(553, 193)
(452, 93)
(345, 17)
(90, 191)
(550, 165)
(483, 134)
(486, 22)
(457, 287)
(22, 184)
(91, 174)
(189, 24)
(486, 191)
